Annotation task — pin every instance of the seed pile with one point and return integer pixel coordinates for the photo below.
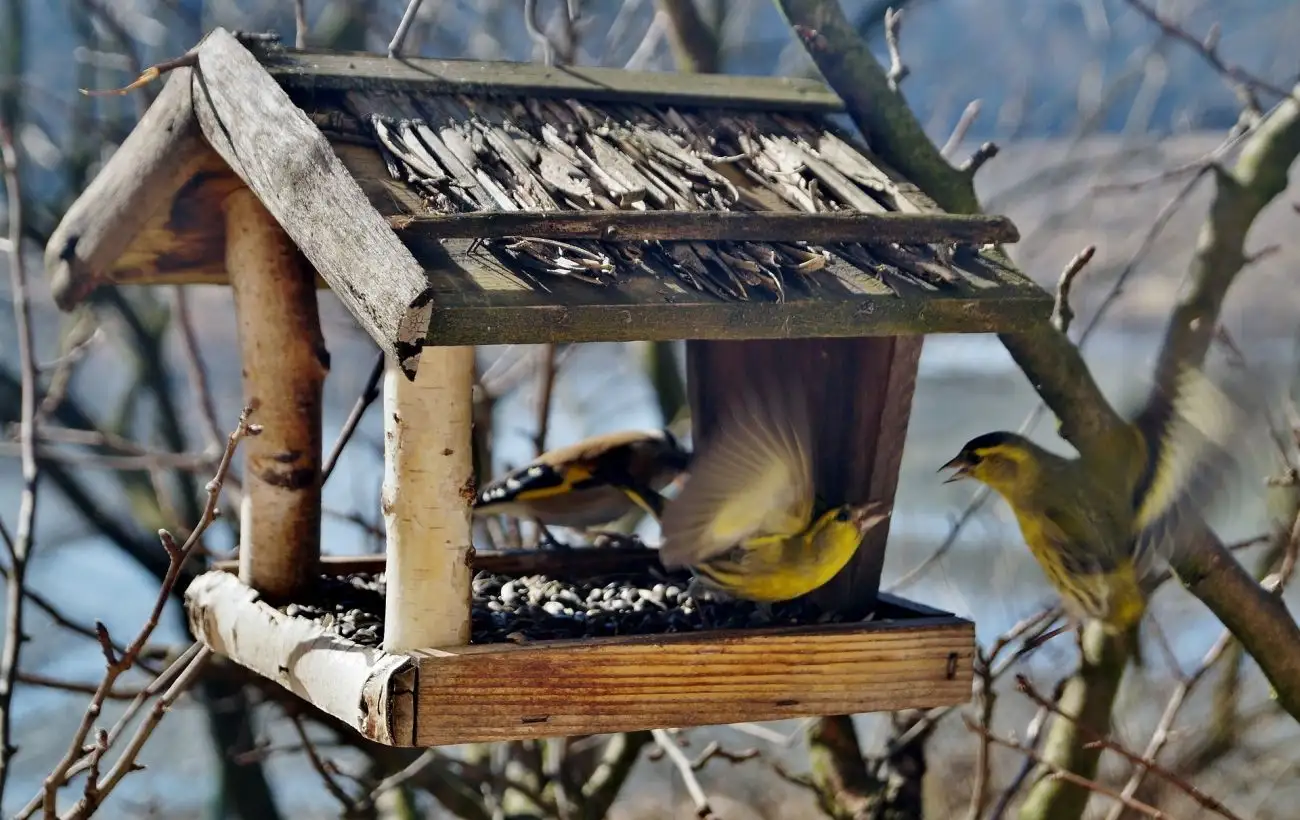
(537, 608)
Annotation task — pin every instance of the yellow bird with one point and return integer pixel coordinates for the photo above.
(593, 482)
(744, 521)
(1098, 529)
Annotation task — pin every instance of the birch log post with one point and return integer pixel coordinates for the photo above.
(284, 366)
(428, 489)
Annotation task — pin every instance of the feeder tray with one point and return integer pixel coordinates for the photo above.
(905, 656)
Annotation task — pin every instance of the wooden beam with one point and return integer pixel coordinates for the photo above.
(351, 682)
(625, 226)
(428, 489)
(160, 154)
(320, 70)
(284, 363)
(554, 688)
(272, 145)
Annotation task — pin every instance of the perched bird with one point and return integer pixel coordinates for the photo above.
(1098, 529)
(593, 482)
(745, 520)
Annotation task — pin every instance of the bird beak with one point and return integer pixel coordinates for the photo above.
(868, 516)
(961, 465)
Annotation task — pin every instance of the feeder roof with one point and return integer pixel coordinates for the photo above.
(455, 202)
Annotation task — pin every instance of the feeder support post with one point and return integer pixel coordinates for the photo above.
(284, 363)
(428, 490)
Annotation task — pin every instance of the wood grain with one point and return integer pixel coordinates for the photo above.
(164, 150)
(284, 363)
(313, 69)
(427, 491)
(272, 145)
(348, 681)
(625, 226)
(490, 693)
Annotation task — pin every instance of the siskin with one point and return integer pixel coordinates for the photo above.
(1097, 530)
(744, 522)
(593, 482)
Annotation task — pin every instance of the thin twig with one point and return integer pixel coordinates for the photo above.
(1032, 734)
(545, 389)
(1066, 774)
(982, 155)
(1208, 48)
(403, 28)
(1160, 736)
(126, 764)
(683, 765)
(194, 369)
(46, 682)
(189, 462)
(532, 23)
(1062, 313)
(963, 125)
(21, 545)
(1145, 763)
(987, 700)
(369, 393)
(116, 664)
(299, 23)
(898, 70)
(327, 777)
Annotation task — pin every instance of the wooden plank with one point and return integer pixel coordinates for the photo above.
(626, 226)
(140, 180)
(506, 692)
(344, 679)
(272, 145)
(319, 70)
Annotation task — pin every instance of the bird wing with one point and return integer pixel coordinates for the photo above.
(575, 466)
(1193, 444)
(753, 478)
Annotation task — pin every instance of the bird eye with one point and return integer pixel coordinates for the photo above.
(843, 514)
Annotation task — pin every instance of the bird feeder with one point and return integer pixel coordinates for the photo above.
(449, 204)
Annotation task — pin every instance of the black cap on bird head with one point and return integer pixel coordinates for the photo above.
(972, 452)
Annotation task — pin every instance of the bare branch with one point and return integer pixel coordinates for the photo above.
(194, 369)
(1067, 775)
(404, 28)
(323, 769)
(369, 393)
(683, 766)
(21, 543)
(1143, 762)
(300, 23)
(1208, 48)
(898, 70)
(116, 664)
(1062, 313)
(963, 125)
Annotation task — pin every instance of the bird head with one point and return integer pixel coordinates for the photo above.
(859, 518)
(993, 458)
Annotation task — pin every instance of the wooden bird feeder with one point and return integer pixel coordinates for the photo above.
(449, 204)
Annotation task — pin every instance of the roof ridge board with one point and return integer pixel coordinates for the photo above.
(323, 69)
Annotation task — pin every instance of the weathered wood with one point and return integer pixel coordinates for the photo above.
(322, 70)
(163, 151)
(845, 380)
(284, 363)
(625, 226)
(503, 692)
(341, 678)
(272, 145)
(428, 489)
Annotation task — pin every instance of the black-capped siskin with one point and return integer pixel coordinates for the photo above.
(590, 483)
(1099, 528)
(745, 521)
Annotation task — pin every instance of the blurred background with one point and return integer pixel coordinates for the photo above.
(1086, 99)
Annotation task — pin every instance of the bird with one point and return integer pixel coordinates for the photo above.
(1099, 528)
(745, 522)
(595, 481)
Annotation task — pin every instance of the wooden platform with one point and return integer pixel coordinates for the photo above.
(908, 657)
